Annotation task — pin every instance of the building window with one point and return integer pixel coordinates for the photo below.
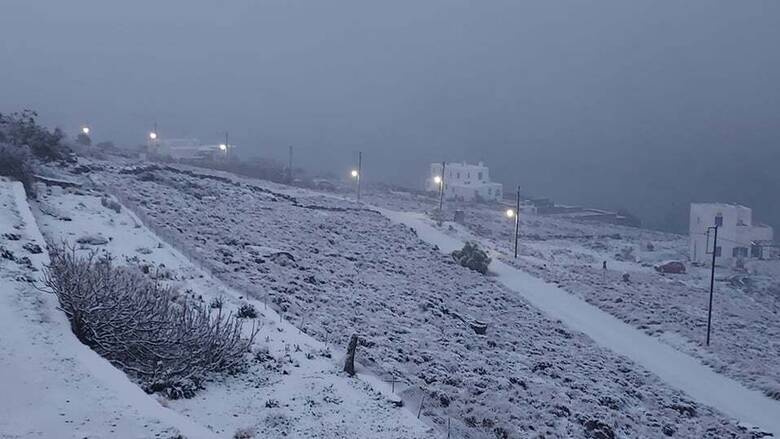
(718, 251)
(479, 176)
(756, 251)
(458, 175)
(718, 220)
(738, 252)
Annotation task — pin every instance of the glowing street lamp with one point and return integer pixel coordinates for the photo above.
(85, 130)
(355, 173)
(439, 179)
(515, 213)
(152, 135)
(222, 147)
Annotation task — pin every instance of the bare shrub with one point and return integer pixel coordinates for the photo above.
(137, 325)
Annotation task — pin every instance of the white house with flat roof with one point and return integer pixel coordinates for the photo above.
(189, 149)
(738, 235)
(463, 181)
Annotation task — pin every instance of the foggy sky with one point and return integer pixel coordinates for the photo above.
(645, 105)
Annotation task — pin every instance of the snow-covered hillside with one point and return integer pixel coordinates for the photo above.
(293, 388)
(333, 268)
(52, 386)
(673, 307)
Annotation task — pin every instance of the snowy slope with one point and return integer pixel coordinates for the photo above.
(294, 389)
(51, 386)
(750, 407)
(673, 308)
(333, 267)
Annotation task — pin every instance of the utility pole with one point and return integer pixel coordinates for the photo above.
(227, 147)
(441, 189)
(712, 278)
(359, 173)
(289, 167)
(517, 219)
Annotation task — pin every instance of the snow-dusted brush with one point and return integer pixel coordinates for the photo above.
(168, 343)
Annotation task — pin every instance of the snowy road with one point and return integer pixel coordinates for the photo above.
(676, 368)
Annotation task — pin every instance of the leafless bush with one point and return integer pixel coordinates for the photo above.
(136, 324)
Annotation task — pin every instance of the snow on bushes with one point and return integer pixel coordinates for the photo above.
(473, 257)
(15, 162)
(169, 345)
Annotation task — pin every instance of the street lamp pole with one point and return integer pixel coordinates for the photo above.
(712, 279)
(517, 220)
(441, 188)
(359, 172)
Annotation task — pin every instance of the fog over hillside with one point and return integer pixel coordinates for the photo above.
(640, 105)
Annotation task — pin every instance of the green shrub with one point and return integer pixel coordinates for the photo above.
(471, 256)
(16, 163)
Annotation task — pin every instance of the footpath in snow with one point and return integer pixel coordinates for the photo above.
(679, 370)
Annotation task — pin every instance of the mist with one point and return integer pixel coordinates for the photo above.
(640, 105)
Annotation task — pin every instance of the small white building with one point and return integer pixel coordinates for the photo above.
(464, 182)
(738, 235)
(188, 149)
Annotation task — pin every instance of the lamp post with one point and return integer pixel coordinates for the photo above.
(712, 277)
(441, 187)
(515, 213)
(356, 173)
(440, 183)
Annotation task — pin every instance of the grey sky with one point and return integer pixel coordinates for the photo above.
(638, 104)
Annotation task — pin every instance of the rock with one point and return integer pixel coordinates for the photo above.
(480, 328)
(671, 267)
(33, 248)
(12, 236)
(6, 254)
(92, 240)
(596, 429)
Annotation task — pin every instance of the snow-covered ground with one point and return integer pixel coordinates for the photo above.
(333, 267)
(51, 386)
(672, 307)
(294, 386)
(680, 370)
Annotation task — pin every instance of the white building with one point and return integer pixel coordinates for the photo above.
(738, 235)
(188, 149)
(465, 182)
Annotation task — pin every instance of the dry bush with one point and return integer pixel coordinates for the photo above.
(137, 325)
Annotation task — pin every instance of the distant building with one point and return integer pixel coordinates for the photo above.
(738, 235)
(189, 149)
(464, 182)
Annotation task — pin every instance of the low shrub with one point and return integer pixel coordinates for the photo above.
(247, 311)
(473, 257)
(16, 163)
(169, 346)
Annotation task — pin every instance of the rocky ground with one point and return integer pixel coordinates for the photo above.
(334, 268)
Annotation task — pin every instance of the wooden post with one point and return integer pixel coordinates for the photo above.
(349, 364)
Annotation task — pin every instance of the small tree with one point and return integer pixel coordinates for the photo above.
(473, 257)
